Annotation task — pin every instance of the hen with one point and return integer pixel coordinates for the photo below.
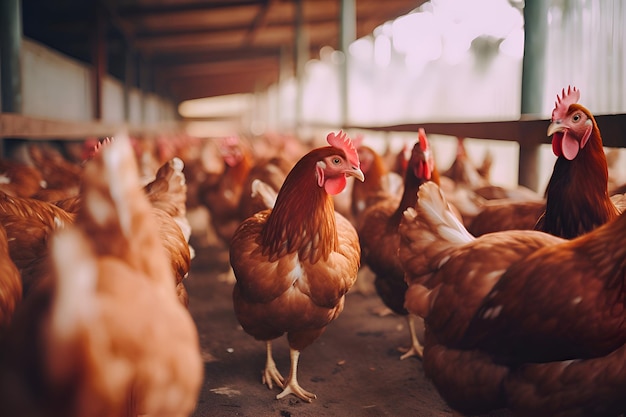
(19, 179)
(519, 319)
(222, 197)
(295, 263)
(272, 172)
(29, 223)
(10, 283)
(105, 334)
(378, 233)
(579, 180)
(379, 183)
(577, 198)
(61, 176)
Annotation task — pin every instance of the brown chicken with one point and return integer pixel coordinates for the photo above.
(578, 187)
(105, 335)
(577, 198)
(29, 223)
(222, 197)
(378, 233)
(272, 172)
(378, 184)
(10, 283)
(295, 263)
(464, 172)
(61, 176)
(519, 319)
(498, 215)
(19, 179)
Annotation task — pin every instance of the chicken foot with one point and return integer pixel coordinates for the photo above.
(416, 348)
(270, 373)
(292, 386)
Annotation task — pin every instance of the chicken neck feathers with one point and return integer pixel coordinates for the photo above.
(303, 217)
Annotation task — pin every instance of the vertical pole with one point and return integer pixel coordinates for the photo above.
(146, 87)
(99, 61)
(10, 68)
(284, 73)
(301, 49)
(347, 35)
(533, 76)
(129, 77)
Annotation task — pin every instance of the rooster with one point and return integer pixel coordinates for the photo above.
(104, 334)
(378, 232)
(295, 263)
(519, 319)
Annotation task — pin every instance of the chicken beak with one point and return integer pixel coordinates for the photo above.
(554, 127)
(356, 173)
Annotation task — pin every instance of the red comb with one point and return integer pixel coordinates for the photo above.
(562, 103)
(343, 142)
(422, 139)
(97, 148)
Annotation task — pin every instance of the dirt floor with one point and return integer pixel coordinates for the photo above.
(354, 368)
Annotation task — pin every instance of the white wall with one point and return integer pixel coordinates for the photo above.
(55, 86)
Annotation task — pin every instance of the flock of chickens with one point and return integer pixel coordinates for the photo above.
(520, 296)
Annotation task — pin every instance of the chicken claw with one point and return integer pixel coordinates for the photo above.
(270, 373)
(292, 386)
(416, 347)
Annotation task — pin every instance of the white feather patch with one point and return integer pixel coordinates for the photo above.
(77, 276)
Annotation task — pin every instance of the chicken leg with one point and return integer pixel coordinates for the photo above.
(270, 373)
(416, 348)
(292, 386)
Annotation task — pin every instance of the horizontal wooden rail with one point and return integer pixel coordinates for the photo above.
(18, 126)
(526, 131)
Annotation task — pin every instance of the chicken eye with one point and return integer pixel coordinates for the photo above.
(336, 160)
(576, 117)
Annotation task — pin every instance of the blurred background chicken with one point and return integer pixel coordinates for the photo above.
(10, 284)
(295, 263)
(379, 238)
(104, 333)
(221, 194)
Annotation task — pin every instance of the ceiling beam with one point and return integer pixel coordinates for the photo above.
(139, 12)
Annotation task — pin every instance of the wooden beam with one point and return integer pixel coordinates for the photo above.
(171, 9)
(524, 131)
(99, 60)
(257, 23)
(20, 126)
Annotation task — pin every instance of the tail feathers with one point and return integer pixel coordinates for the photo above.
(434, 214)
(168, 192)
(428, 234)
(263, 194)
